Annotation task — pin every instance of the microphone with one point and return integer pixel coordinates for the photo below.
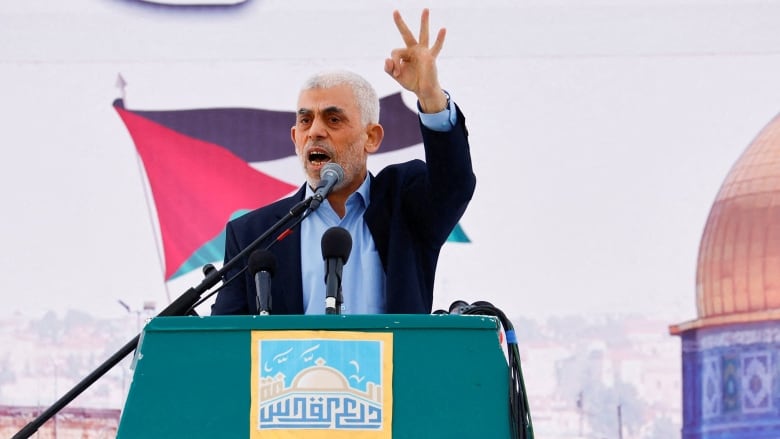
(208, 269)
(330, 175)
(336, 245)
(262, 266)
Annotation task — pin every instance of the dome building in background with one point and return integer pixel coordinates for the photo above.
(731, 351)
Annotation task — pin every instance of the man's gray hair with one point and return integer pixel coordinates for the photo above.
(366, 96)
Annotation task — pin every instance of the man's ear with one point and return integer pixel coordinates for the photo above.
(375, 135)
(292, 136)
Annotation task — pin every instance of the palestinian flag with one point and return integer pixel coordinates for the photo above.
(199, 164)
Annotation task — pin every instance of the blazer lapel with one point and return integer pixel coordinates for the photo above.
(288, 253)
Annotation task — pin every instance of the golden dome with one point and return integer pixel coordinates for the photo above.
(738, 272)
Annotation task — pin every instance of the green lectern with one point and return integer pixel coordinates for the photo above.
(330, 376)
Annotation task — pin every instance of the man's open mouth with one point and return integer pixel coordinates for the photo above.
(318, 157)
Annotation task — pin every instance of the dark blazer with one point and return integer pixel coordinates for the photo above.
(414, 206)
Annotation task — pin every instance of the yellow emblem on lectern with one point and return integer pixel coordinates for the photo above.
(328, 384)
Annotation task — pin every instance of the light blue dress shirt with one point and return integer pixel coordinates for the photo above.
(363, 278)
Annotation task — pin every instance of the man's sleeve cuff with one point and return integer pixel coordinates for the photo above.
(443, 120)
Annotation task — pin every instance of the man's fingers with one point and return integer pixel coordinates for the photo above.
(424, 28)
(390, 67)
(406, 34)
(439, 42)
(397, 56)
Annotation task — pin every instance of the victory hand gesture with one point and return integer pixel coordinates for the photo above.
(414, 66)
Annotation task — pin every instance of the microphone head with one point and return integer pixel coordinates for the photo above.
(262, 260)
(336, 243)
(459, 307)
(334, 170)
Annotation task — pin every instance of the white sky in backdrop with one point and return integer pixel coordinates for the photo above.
(600, 132)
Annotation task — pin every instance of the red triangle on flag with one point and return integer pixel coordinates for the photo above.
(196, 186)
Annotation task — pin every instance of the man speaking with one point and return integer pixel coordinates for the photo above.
(398, 220)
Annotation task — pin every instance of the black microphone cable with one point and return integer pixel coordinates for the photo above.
(519, 411)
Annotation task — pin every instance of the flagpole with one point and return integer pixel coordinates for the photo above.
(157, 243)
(121, 84)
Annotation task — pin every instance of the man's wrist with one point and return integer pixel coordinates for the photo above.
(439, 102)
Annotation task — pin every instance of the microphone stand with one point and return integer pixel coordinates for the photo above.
(333, 297)
(180, 307)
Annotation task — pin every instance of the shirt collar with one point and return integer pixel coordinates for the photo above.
(363, 193)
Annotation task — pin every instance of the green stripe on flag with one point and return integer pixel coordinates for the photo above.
(458, 235)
